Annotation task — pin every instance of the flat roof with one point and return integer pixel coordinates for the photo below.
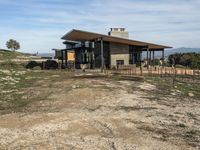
(78, 35)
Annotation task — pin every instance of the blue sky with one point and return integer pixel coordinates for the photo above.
(39, 24)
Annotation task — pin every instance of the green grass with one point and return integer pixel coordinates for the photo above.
(166, 86)
(18, 87)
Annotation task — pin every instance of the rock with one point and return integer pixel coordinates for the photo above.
(73, 86)
(173, 94)
(190, 94)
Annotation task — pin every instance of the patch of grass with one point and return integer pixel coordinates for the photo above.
(12, 65)
(165, 86)
(19, 88)
(128, 78)
(192, 133)
(181, 125)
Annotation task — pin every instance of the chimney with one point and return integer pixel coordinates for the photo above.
(119, 32)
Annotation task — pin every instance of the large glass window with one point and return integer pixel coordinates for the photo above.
(134, 54)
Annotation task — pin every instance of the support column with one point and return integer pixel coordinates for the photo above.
(163, 57)
(154, 58)
(150, 58)
(102, 57)
(62, 59)
(147, 58)
(66, 58)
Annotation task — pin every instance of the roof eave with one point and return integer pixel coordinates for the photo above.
(150, 44)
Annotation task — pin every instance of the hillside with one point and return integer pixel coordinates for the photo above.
(6, 55)
(182, 50)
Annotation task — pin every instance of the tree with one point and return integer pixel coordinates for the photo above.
(13, 45)
(191, 60)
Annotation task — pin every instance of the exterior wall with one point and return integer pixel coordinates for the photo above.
(119, 34)
(119, 52)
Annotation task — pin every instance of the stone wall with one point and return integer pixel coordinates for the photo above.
(119, 52)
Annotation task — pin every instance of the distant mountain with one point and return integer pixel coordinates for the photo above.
(181, 50)
(46, 55)
(173, 51)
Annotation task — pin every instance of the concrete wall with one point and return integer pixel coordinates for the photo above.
(119, 34)
(119, 52)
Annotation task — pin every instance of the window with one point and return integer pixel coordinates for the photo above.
(119, 62)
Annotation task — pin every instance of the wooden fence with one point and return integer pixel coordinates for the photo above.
(154, 71)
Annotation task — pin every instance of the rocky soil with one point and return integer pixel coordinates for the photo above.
(102, 113)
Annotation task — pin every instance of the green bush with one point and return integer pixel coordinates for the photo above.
(33, 64)
(191, 60)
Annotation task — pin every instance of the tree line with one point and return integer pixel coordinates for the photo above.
(190, 60)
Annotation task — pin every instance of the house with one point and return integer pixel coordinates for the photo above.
(106, 51)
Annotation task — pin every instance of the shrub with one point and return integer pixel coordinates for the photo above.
(33, 64)
(50, 64)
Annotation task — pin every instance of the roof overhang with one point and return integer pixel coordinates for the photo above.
(78, 35)
(71, 42)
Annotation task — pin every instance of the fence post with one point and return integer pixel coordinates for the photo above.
(185, 71)
(141, 70)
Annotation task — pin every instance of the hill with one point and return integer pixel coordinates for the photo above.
(6, 55)
(181, 50)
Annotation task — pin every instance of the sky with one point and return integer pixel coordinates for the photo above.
(39, 24)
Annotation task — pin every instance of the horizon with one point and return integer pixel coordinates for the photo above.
(39, 24)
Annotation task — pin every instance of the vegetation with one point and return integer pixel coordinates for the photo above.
(167, 86)
(7, 54)
(191, 60)
(13, 45)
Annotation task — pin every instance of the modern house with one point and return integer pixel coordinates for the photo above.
(105, 51)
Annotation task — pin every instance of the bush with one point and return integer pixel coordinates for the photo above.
(191, 60)
(50, 64)
(33, 64)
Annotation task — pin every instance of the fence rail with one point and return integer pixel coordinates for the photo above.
(157, 71)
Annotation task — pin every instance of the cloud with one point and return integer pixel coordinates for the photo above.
(39, 24)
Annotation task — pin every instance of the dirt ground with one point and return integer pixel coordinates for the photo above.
(87, 112)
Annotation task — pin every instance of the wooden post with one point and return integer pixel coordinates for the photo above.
(153, 58)
(163, 57)
(62, 59)
(66, 59)
(148, 58)
(102, 57)
(185, 70)
(141, 70)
